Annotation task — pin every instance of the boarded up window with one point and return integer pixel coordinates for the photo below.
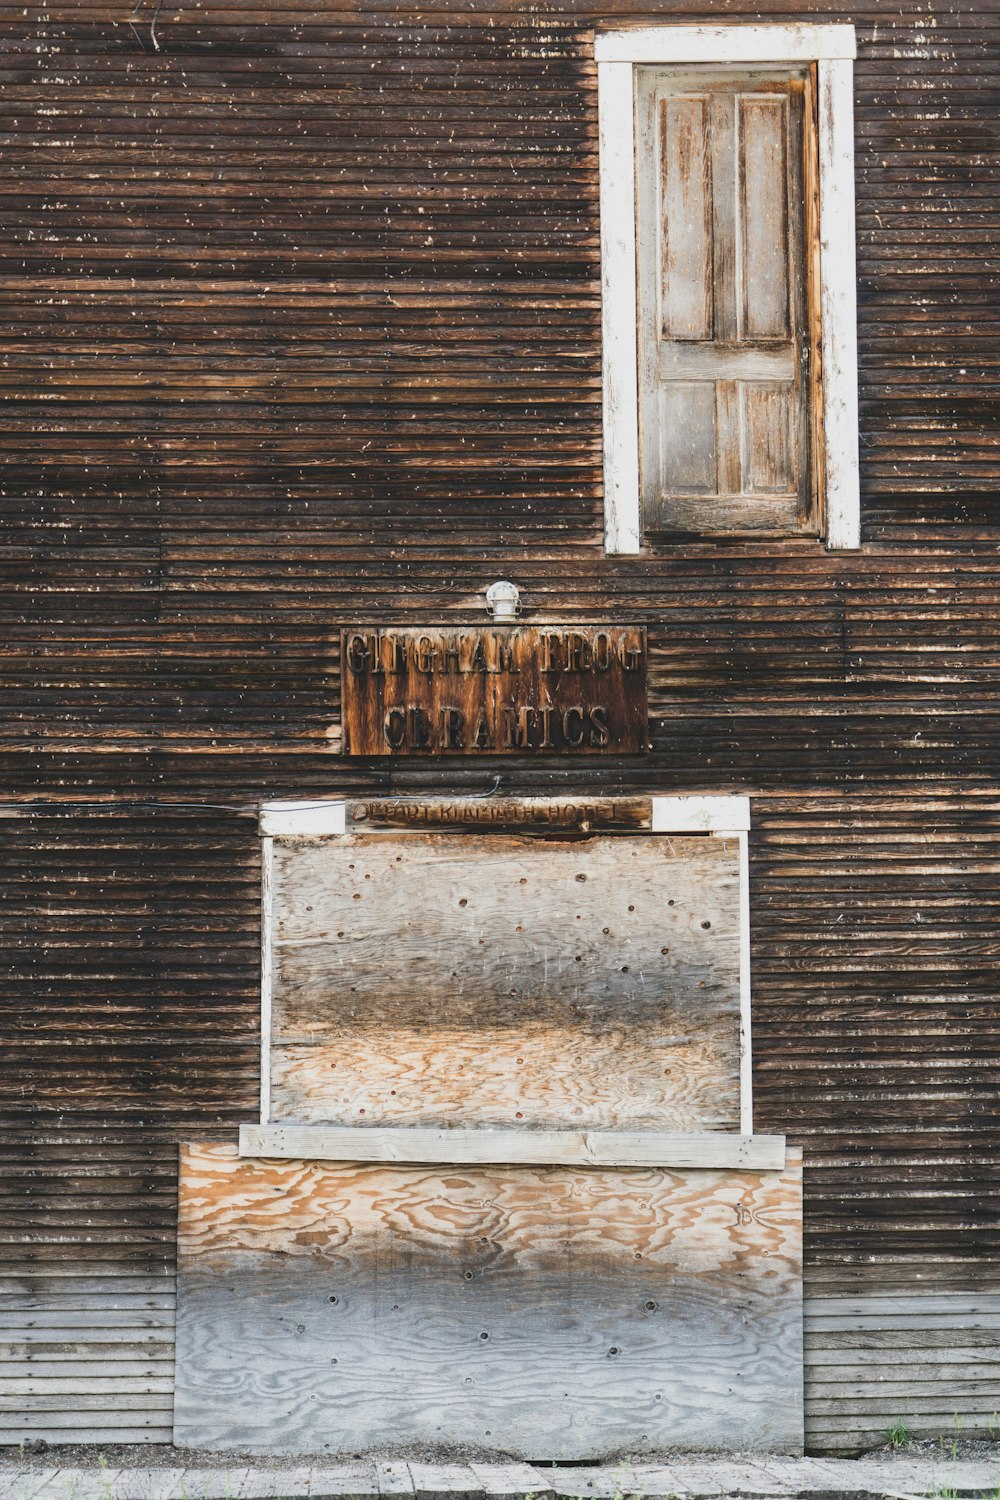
(724, 160)
(483, 980)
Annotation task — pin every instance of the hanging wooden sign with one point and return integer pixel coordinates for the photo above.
(509, 690)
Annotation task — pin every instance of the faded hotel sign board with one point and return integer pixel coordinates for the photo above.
(547, 690)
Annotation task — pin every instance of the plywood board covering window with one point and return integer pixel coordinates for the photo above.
(496, 980)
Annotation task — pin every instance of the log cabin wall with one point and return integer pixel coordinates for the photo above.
(300, 326)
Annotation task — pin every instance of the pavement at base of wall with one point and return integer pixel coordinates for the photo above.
(939, 1471)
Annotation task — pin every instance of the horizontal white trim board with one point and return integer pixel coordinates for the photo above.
(691, 814)
(571, 1148)
(731, 43)
(313, 819)
(701, 814)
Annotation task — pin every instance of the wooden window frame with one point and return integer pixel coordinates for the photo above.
(719, 816)
(832, 49)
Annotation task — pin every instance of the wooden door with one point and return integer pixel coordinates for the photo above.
(724, 345)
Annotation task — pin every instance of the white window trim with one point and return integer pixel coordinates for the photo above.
(318, 818)
(833, 49)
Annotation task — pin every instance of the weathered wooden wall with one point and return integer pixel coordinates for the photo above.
(300, 324)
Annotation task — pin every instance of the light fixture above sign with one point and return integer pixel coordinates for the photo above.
(503, 600)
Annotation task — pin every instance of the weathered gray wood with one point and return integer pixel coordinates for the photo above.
(162, 1300)
(512, 1481)
(63, 1286)
(46, 1346)
(20, 1368)
(656, 1481)
(157, 1399)
(686, 298)
(27, 1486)
(467, 979)
(922, 1356)
(70, 1318)
(914, 1322)
(534, 1147)
(91, 1386)
(354, 1479)
(955, 1360)
(93, 1483)
(86, 1357)
(955, 1307)
(906, 1390)
(897, 1475)
(597, 1482)
(710, 362)
(263, 1483)
(93, 1427)
(394, 1478)
(765, 247)
(520, 1308)
(456, 1481)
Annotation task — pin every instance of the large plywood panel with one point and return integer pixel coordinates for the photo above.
(545, 1312)
(471, 979)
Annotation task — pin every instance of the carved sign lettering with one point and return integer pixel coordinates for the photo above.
(520, 690)
(630, 813)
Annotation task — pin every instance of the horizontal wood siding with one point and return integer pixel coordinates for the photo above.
(930, 1361)
(87, 1291)
(130, 958)
(299, 325)
(877, 1049)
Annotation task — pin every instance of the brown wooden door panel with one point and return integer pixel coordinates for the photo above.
(724, 353)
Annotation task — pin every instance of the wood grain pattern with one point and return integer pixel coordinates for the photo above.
(528, 1310)
(533, 1076)
(494, 979)
(874, 1356)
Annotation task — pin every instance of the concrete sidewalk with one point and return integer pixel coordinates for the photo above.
(896, 1476)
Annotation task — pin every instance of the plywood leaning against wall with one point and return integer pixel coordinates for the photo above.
(532, 1310)
(478, 979)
